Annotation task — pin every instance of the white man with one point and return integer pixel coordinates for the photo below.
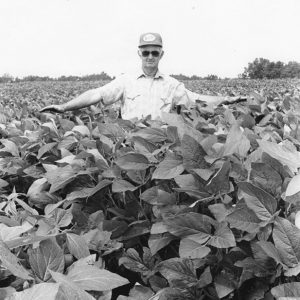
(148, 92)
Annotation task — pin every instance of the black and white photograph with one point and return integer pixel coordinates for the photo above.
(149, 150)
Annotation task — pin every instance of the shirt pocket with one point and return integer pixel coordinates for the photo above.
(132, 96)
(165, 103)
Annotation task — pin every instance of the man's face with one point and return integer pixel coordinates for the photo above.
(150, 56)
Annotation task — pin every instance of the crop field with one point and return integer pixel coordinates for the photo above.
(204, 204)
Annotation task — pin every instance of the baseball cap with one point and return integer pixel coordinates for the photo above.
(150, 39)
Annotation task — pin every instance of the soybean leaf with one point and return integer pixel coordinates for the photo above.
(223, 285)
(219, 183)
(286, 238)
(48, 256)
(265, 177)
(11, 262)
(91, 278)
(222, 237)
(77, 245)
(158, 241)
(132, 261)
(70, 289)
(169, 168)
(45, 148)
(287, 156)
(179, 272)
(262, 203)
(184, 225)
(193, 154)
(60, 177)
(243, 218)
(189, 248)
(287, 290)
(155, 135)
(132, 161)
(156, 196)
(46, 291)
(120, 185)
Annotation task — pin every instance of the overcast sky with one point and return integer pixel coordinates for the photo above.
(78, 37)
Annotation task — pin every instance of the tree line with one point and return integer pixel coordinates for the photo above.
(263, 68)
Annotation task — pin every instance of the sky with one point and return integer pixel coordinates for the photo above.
(201, 37)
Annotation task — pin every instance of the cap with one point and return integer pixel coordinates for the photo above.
(150, 39)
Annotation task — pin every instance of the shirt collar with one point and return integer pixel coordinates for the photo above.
(157, 75)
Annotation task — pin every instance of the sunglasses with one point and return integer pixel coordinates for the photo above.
(153, 53)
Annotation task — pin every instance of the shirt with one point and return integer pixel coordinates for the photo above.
(140, 95)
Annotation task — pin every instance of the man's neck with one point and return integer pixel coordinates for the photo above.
(150, 72)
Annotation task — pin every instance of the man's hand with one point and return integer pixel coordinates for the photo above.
(53, 108)
(235, 99)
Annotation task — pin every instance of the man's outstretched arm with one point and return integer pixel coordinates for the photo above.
(87, 98)
(107, 94)
(183, 96)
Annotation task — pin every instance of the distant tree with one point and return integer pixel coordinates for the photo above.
(5, 78)
(263, 68)
(102, 76)
(291, 70)
(257, 69)
(211, 77)
(195, 77)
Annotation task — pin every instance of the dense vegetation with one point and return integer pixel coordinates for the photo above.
(201, 205)
(263, 68)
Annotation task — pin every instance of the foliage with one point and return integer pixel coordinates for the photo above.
(264, 68)
(6, 78)
(196, 206)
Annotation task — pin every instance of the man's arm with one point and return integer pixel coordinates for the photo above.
(187, 98)
(107, 94)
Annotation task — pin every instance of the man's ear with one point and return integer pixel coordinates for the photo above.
(139, 53)
(162, 54)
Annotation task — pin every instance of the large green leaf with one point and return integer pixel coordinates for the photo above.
(121, 185)
(222, 237)
(283, 291)
(88, 192)
(156, 196)
(189, 248)
(262, 203)
(287, 156)
(132, 261)
(193, 154)
(11, 262)
(184, 225)
(70, 289)
(77, 245)
(60, 177)
(169, 168)
(155, 135)
(243, 218)
(286, 237)
(179, 272)
(45, 291)
(158, 241)
(45, 148)
(91, 278)
(266, 178)
(223, 285)
(48, 256)
(234, 140)
(219, 183)
(132, 161)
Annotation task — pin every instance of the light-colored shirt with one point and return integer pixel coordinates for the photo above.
(140, 95)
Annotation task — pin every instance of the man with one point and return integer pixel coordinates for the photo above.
(149, 92)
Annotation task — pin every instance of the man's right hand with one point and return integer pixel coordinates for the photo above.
(53, 108)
